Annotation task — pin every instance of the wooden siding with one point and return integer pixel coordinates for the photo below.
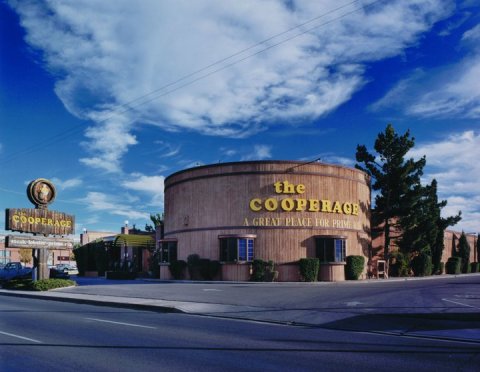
(205, 202)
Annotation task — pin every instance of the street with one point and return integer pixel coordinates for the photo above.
(48, 335)
(424, 325)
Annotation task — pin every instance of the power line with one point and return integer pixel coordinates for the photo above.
(162, 91)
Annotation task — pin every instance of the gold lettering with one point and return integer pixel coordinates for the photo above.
(271, 204)
(255, 205)
(287, 204)
(301, 204)
(347, 208)
(337, 207)
(355, 209)
(314, 205)
(326, 206)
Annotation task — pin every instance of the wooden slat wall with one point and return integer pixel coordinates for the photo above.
(199, 208)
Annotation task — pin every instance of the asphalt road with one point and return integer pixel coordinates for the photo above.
(42, 335)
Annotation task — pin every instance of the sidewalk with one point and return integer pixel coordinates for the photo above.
(354, 316)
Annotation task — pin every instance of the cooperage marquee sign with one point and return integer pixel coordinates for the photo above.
(40, 220)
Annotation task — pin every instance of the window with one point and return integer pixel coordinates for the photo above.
(168, 251)
(233, 249)
(330, 249)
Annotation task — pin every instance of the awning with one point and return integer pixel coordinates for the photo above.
(140, 241)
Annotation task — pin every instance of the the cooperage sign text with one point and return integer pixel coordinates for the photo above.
(40, 221)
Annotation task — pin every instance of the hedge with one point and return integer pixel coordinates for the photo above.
(454, 265)
(422, 264)
(177, 269)
(354, 267)
(309, 269)
(475, 267)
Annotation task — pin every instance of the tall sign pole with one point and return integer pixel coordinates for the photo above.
(42, 223)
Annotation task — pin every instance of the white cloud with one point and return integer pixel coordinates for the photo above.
(448, 92)
(453, 162)
(107, 54)
(67, 184)
(100, 202)
(260, 152)
(151, 185)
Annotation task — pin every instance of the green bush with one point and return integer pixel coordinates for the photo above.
(399, 265)
(263, 271)
(354, 267)
(214, 268)
(441, 269)
(258, 270)
(454, 265)
(475, 267)
(193, 264)
(309, 269)
(208, 269)
(39, 285)
(422, 264)
(466, 268)
(177, 269)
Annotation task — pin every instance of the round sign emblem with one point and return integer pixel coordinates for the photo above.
(41, 192)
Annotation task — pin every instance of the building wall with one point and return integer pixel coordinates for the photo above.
(206, 202)
(451, 240)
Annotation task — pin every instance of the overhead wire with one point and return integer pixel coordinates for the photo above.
(162, 91)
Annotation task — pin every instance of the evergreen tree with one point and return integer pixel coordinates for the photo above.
(464, 252)
(393, 177)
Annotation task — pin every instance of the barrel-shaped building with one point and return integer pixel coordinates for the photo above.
(271, 210)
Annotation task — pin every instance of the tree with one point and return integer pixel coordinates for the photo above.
(157, 220)
(464, 252)
(393, 177)
(25, 255)
(422, 227)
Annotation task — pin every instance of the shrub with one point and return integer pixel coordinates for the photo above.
(422, 264)
(208, 269)
(309, 269)
(258, 270)
(193, 264)
(453, 265)
(213, 269)
(475, 267)
(263, 271)
(39, 285)
(354, 267)
(399, 265)
(177, 269)
(441, 269)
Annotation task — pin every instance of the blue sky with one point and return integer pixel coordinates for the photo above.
(107, 98)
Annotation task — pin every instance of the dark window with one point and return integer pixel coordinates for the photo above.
(168, 251)
(236, 249)
(330, 249)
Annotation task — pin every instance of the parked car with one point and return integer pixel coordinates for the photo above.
(58, 273)
(15, 270)
(70, 269)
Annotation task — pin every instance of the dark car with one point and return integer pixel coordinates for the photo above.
(57, 273)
